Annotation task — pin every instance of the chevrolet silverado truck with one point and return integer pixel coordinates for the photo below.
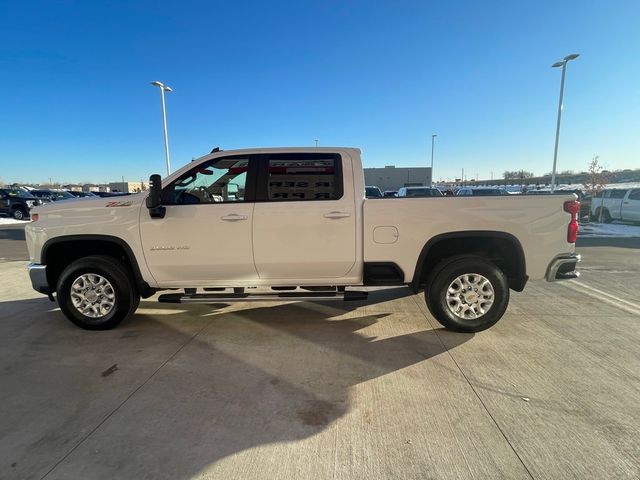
(293, 224)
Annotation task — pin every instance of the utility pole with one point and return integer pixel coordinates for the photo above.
(316, 140)
(433, 141)
(563, 64)
(164, 88)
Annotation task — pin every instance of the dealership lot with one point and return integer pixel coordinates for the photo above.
(327, 390)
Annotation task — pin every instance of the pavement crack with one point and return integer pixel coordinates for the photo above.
(474, 390)
(121, 404)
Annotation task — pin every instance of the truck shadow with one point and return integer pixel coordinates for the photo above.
(250, 377)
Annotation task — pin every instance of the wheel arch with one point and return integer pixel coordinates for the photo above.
(58, 252)
(497, 245)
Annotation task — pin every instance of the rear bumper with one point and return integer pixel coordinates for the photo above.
(38, 276)
(563, 267)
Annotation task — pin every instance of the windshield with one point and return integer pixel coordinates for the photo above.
(18, 193)
(61, 195)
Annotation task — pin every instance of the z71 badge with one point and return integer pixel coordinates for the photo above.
(119, 204)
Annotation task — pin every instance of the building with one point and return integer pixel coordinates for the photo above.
(127, 187)
(94, 187)
(392, 177)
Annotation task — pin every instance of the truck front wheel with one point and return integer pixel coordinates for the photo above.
(467, 294)
(97, 292)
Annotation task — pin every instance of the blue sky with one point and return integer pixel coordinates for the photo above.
(76, 104)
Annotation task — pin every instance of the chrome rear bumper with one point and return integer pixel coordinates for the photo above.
(563, 267)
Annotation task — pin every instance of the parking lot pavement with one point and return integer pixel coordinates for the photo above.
(328, 390)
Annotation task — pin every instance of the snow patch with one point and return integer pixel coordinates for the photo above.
(11, 221)
(618, 230)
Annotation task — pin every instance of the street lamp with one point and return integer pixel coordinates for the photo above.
(563, 64)
(433, 141)
(164, 88)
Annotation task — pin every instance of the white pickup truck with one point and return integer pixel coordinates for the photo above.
(295, 222)
(617, 204)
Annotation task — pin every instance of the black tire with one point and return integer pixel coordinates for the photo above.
(20, 214)
(445, 274)
(606, 216)
(126, 297)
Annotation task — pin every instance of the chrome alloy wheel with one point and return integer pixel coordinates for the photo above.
(470, 296)
(92, 295)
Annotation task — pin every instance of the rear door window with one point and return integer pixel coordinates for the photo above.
(300, 177)
(618, 193)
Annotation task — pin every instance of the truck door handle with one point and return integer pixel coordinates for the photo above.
(625, 203)
(337, 215)
(233, 217)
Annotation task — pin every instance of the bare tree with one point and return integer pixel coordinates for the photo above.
(596, 182)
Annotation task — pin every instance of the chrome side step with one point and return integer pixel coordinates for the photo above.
(281, 296)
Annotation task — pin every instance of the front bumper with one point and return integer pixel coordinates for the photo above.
(563, 267)
(38, 276)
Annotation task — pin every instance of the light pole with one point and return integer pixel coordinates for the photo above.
(316, 140)
(433, 142)
(563, 64)
(164, 88)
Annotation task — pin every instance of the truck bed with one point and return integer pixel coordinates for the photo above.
(395, 229)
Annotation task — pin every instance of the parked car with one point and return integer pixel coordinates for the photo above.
(17, 203)
(47, 195)
(295, 220)
(481, 192)
(419, 192)
(617, 204)
(390, 193)
(372, 192)
(81, 194)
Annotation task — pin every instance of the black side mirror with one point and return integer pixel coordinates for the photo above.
(154, 200)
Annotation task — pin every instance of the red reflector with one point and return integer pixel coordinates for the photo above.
(572, 231)
(572, 206)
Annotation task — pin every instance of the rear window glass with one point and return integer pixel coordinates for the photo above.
(618, 193)
(304, 179)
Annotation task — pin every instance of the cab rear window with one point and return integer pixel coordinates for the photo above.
(304, 177)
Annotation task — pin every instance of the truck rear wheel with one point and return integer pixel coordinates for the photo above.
(97, 292)
(467, 294)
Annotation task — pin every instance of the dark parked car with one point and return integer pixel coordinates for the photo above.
(372, 192)
(81, 194)
(419, 192)
(17, 203)
(51, 195)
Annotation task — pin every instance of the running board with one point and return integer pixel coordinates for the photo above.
(349, 295)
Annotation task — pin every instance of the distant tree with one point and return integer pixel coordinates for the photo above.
(597, 178)
(596, 181)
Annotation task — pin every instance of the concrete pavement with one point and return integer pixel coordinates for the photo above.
(328, 390)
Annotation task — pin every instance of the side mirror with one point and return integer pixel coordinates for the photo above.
(154, 200)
